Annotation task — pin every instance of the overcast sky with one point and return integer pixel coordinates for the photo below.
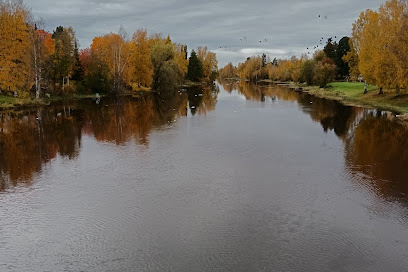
(289, 26)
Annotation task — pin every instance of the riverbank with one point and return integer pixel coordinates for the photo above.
(352, 93)
(10, 103)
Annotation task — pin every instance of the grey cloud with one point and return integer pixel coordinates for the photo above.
(288, 26)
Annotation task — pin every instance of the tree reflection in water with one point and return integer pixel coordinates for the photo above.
(376, 148)
(30, 139)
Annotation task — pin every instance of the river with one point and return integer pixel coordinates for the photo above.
(230, 177)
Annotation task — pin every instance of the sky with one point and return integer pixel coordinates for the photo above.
(278, 28)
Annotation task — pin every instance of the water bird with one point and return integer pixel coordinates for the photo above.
(260, 41)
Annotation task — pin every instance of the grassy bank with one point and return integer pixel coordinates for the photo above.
(7, 102)
(352, 93)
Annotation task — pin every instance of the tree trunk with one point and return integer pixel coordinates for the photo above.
(398, 90)
(37, 89)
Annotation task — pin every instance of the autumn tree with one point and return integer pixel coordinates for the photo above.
(63, 58)
(97, 76)
(209, 63)
(41, 54)
(15, 45)
(180, 58)
(306, 72)
(140, 60)
(229, 71)
(167, 73)
(351, 58)
(115, 51)
(376, 40)
(324, 72)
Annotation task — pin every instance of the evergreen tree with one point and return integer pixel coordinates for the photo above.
(342, 50)
(195, 68)
(330, 49)
(78, 71)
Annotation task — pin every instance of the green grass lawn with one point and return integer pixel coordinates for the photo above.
(352, 93)
(351, 89)
(7, 101)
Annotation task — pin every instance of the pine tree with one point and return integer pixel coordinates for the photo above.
(342, 50)
(195, 68)
(78, 73)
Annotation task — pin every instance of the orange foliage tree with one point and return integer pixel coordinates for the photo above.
(15, 44)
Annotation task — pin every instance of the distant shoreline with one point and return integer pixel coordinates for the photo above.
(352, 94)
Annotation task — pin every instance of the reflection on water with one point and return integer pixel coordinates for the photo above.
(375, 145)
(29, 139)
(231, 177)
(378, 149)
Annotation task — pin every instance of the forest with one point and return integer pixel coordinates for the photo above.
(36, 63)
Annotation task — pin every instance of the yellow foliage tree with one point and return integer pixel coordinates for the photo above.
(378, 44)
(15, 44)
(141, 63)
(114, 50)
(180, 57)
(209, 62)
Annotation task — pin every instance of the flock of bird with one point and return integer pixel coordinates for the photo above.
(315, 47)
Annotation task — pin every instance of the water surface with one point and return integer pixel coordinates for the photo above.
(232, 177)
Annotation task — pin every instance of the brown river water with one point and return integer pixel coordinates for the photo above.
(232, 177)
